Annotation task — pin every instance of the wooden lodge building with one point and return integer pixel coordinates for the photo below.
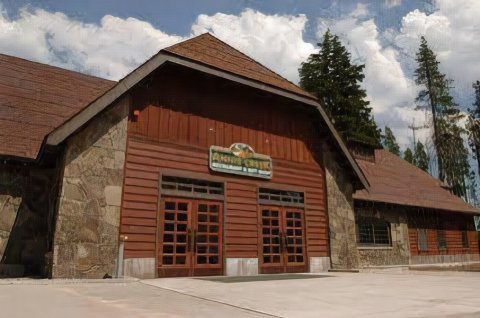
(201, 162)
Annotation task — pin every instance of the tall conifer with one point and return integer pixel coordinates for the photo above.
(473, 125)
(389, 142)
(335, 81)
(451, 153)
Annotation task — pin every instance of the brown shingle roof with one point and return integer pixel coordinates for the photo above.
(211, 51)
(393, 180)
(36, 98)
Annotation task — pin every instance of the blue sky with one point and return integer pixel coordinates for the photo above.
(177, 16)
(110, 38)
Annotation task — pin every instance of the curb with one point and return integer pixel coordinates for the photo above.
(66, 281)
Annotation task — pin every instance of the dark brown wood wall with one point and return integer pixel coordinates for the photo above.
(181, 115)
(452, 223)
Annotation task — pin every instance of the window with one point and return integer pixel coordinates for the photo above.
(422, 239)
(373, 231)
(282, 197)
(191, 187)
(441, 241)
(465, 242)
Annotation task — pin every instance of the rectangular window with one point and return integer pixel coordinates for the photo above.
(422, 240)
(180, 186)
(281, 197)
(465, 242)
(373, 231)
(441, 240)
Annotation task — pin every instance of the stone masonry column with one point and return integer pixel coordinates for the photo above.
(87, 224)
(343, 246)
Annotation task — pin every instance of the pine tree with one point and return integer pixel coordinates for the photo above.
(389, 142)
(335, 81)
(420, 157)
(473, 125)
(451, 153)
(408, 155)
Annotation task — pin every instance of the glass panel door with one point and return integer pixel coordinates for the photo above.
(208, 235)
(271, 238)
(190, 238)
(174, 257)
(282, 237)
(294, 239)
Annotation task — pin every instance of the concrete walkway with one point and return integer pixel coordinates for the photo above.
(407, 294)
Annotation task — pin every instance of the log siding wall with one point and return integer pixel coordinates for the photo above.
(453, 224)
(175, 128)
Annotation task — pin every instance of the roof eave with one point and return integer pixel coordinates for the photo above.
(472, 211)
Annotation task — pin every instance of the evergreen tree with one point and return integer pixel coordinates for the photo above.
(473, 125)
(451, 153)
(408, 155)
(335, 81)
(389, 142)
(420, 157)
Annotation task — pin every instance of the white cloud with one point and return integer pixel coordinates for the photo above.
(393, 3)
(390, 91)
(115, 46)
(110, 49)
(276, 41)
(453, 32)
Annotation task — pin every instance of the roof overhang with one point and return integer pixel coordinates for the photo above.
(73, 124)
(470, 211)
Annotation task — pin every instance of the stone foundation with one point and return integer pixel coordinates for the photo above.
(439, 259)
(319, 264)
(241, 266)
(396, 254)
(343, 246)
(87, 227)
(143, 268)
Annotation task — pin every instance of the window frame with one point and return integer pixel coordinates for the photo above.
(271, 196)
(373, 222)
(465, 239)
(422, 247)
(441, 238)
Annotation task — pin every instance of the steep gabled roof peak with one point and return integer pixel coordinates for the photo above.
(211, 51)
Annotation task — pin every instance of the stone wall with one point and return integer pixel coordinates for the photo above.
(12, 190)
(343, 246)
(396, 254)
(27, 205)
(87, 226)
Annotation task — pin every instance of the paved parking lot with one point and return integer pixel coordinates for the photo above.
(403, 294)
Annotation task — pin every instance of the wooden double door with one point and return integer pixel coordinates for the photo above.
(282, 239)
(189, 238)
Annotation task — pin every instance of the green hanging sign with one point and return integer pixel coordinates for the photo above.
(240, 159)
(476, 219)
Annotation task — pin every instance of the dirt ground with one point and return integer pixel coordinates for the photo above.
(374, 294)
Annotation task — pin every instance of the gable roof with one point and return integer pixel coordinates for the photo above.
(209, 50)
(394, 180)
(37, 98)
(231, 65)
